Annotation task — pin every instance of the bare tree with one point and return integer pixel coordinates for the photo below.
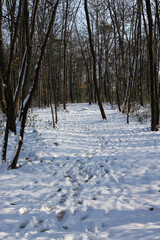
(154, 123)
(6, 96)
(27, 101)
(94, 61)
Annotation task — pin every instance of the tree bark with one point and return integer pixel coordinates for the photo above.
(94, 61)
(158, 15)
(64, 57)
(154, 125)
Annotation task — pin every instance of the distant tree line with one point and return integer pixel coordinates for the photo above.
(52, 52)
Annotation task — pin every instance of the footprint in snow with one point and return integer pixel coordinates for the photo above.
(90, 227)
(44, 230)
(24, 224)
(60, 215)
(89, 177)
(63, 198)
(65, 227)
(83, 218)
(56, 144)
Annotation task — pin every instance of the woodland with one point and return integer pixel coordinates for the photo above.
(79, 119)
(74, 51)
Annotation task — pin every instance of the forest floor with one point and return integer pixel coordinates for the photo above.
(87, 179)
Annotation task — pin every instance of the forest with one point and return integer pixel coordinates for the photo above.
(79, 119)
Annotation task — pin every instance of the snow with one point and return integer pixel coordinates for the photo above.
(87, 179)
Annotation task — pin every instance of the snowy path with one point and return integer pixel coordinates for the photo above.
(87, 179)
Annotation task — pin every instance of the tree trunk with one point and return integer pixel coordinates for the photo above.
(158, 15)
(154, 125)
(94, 62)
(5, 143)
(64, 57)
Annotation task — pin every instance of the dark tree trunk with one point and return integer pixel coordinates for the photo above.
(154, 125)
(64, 58)
(5, 143)
(158, 15)
(94, 62)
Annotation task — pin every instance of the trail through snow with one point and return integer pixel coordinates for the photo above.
(87, 179)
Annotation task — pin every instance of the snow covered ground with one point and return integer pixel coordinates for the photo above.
(88, 179)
